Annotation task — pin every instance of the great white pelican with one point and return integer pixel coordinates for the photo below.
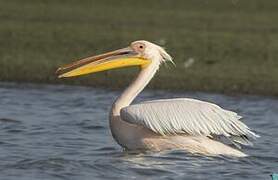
(188, 124)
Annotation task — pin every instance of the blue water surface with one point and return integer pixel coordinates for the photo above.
(61, 132)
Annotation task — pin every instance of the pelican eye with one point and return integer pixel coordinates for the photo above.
(141, 47)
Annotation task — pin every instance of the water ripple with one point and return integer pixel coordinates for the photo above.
(62, 132)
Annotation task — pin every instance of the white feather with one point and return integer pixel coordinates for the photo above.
(189, 116)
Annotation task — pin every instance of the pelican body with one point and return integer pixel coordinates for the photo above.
(188, 124)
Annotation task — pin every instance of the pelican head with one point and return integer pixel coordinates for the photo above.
(139, 53)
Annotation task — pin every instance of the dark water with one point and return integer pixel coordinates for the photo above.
(61, 132)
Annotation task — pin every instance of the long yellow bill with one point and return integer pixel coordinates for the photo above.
(116, 59)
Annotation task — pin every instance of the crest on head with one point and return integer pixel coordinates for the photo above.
(151, 51)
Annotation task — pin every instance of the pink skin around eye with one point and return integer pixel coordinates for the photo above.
(138, 47)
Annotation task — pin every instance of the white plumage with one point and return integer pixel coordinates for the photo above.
(188, 124)
(188, 116)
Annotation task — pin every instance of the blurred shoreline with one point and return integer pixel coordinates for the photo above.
(218, 46)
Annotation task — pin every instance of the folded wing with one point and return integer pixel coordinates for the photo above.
(188, 116)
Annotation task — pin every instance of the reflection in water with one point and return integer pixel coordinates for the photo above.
(61, 132)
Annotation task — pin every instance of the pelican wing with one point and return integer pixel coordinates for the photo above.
(188, 116)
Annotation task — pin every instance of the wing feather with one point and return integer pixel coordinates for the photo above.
(190, 116)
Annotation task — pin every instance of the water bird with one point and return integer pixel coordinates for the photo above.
(183, 123)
